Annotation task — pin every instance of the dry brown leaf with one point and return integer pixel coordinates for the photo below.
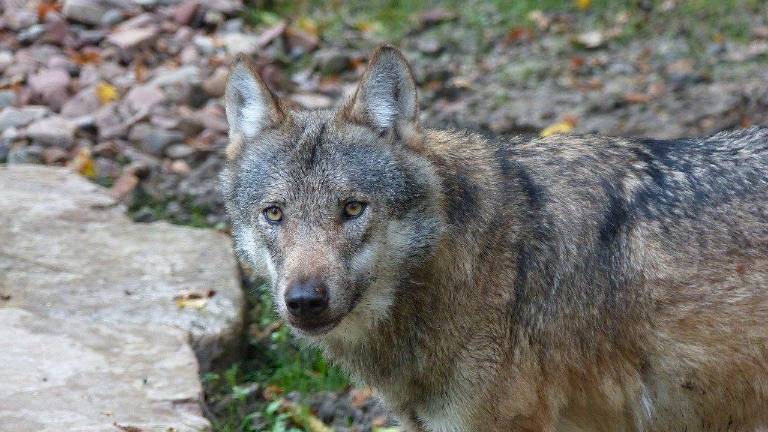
(124, 185)
(272, 392)
(361, 396)
(86, 56)
(43, 9)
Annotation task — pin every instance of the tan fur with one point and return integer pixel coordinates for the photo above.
(573, 284)
(699, 337)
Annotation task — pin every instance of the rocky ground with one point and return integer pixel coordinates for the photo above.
(127, 92)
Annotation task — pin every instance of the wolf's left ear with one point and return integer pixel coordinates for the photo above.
(386, 96)
(250, 105)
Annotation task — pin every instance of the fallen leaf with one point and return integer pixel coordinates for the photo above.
(719, 38)
(577, 63)
(301, 415)
(83, 163)
(518, 34)
(542, 21)
(583, 4)
(260, 335)
(107, 93)
(361, 396)
(637, 97)
(366, 26)
(124, 185)
(561, 127)
(272, 392)
(45, 8)
(191, 300)
(314, 424)
(87, 55)
(271, 34)
(308, 25)
(591, 39)
(191, 303)
(140, 70)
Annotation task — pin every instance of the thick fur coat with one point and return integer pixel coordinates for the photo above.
(558, 284)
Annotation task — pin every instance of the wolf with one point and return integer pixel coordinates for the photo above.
(568, 283)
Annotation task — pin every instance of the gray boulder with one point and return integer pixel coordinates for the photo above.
(106, 323)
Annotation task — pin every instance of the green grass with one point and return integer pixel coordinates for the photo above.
(193, 215)
(277, 364)
(285, 363)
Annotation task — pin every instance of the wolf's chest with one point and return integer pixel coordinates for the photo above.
(448, 414)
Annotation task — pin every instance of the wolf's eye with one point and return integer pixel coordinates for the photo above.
(353, 209)
(273, 215)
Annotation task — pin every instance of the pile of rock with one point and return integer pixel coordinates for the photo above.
(128, 92)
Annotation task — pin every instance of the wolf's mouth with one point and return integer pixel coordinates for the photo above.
(316, 328)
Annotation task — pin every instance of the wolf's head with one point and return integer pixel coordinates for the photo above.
(336, 207)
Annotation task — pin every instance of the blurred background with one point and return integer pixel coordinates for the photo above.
(128, 94)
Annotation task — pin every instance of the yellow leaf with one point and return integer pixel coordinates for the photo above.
(314, 424)
(191, 300)
(106, 92)
(562, 127)
(308, 25)
(83, 163)
(302, 416)
(197, 303)
(368, 26)
(583, 4)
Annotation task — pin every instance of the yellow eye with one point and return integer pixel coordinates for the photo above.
(273, 214)
(353, 209)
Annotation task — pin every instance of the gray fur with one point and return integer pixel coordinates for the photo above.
(567, 283)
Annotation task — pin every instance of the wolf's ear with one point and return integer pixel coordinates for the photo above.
(386, 96)
(250, 105)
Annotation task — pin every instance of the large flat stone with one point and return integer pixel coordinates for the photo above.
(65, 374)
(68, 251)
(91, 336)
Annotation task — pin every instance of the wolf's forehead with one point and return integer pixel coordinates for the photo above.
(319, 155)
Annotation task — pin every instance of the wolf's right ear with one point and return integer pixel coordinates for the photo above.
(386, 97)
(250, 105)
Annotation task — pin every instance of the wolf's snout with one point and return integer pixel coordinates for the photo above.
(306, 299)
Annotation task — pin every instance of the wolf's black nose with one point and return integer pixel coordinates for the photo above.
(306, 299)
